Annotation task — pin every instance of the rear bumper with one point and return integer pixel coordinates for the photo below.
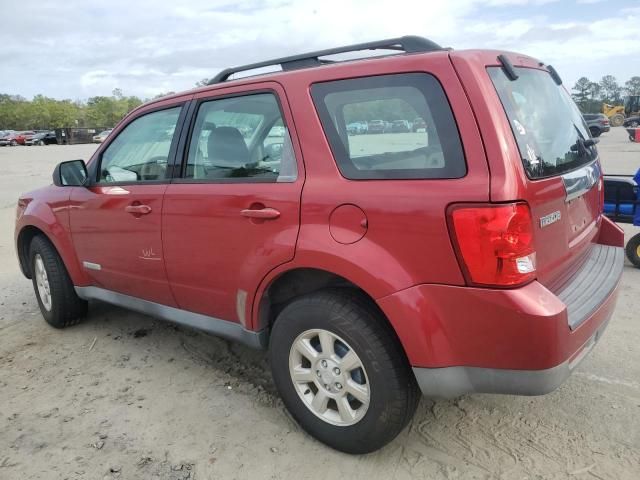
(451, 382)
(520, 341)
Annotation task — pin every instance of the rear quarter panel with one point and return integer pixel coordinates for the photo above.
(406, 241)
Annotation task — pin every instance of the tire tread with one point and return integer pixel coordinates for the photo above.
(67, 308)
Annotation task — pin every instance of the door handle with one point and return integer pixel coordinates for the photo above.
(261, 213)
(138, 209)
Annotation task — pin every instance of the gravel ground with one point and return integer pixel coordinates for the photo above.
(125, 396)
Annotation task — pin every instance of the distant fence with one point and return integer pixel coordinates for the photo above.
(72, 136)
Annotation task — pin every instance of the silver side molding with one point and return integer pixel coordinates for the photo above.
(580, 181)
(92, 266)
(215, 326)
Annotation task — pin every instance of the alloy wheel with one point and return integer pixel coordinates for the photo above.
(42, 281)
(329, 377)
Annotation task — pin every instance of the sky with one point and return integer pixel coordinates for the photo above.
(77, 48)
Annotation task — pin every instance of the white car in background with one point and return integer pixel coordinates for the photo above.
(101, 137)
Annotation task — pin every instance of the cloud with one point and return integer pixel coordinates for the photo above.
(78, 49)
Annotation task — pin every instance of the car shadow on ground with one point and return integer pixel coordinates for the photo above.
(171, 342)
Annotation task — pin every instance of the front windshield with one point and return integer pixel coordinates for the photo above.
(548, 127)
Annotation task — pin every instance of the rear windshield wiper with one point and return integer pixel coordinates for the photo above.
(582, 145)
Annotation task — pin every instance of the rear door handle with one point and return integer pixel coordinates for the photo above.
(262, 213)
(138, 209)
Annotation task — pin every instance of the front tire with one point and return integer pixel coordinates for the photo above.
(341, 370)
(57, 299)
(617, 120)
(633, 250)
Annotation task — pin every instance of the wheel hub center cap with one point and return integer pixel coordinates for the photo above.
(329, 375)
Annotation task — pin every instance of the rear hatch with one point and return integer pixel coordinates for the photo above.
(563, 176)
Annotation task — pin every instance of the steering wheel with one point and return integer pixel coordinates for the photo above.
(151, 168)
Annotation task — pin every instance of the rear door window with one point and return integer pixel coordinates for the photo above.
(546, 123)
(391, 146)
(241, 139)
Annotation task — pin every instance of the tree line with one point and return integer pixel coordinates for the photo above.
(42, 113)
(591, 95)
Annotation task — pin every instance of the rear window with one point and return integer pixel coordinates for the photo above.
(392, 146)
(546, 123)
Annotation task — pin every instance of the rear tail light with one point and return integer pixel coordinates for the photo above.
(494, 243)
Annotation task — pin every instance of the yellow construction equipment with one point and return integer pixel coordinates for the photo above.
(617, 113)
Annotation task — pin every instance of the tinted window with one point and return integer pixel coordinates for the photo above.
(545, 121)
(241, 138)
(141, 151)
(391, 146)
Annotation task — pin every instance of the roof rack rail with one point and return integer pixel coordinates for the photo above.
(407, 44)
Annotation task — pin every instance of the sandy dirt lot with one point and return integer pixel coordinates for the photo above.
(125, 396)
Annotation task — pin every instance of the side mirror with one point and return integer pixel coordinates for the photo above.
(70, 174)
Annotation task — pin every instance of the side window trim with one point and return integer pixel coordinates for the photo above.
(94, 171)
(190, 125)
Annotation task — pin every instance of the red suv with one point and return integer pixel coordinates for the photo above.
(468, 256)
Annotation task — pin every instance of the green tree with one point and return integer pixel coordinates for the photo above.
(632, 86)
(610, 90)
(582, 89)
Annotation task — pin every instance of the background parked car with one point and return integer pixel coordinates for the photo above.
(9, 138)
(418, 125)
(632, 122)
(398, 126)
(357, 128)
(598, 123)
(376, 126)
(21, 137)
(42, 138)
(99, 138)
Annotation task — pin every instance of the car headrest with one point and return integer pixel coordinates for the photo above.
(226, 148)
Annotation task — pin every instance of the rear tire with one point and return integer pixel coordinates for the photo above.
(595, 132)
(349, 348)
(633, 250)
(57, 299)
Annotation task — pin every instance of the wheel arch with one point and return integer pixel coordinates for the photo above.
(57, 236)
(298, 281)
(23, 242)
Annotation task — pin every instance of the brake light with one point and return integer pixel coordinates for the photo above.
(494, 243)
